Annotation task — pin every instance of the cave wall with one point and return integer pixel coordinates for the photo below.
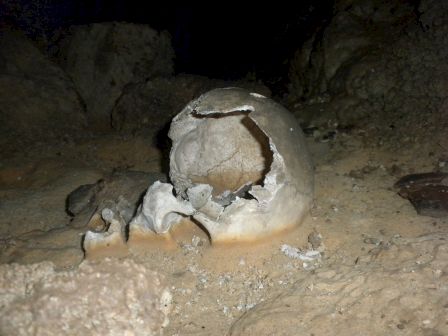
(375, 58)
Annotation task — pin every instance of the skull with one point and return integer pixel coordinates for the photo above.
(239, 166)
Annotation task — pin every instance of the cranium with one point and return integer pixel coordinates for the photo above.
(240, 160)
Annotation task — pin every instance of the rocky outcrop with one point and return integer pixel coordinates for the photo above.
(37, 99)
(104, 59)
(375, 59)
(113, 297)
(357, 29)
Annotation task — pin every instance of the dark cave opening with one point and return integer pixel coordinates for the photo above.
(254, 42)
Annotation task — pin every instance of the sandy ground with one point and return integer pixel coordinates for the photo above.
(383, 270)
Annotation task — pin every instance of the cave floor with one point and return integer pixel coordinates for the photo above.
(383, 270)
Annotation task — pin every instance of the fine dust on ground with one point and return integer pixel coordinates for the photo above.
(383, 269)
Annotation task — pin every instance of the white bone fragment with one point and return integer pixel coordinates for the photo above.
(295, 253)
(112, 239)
(160, 210)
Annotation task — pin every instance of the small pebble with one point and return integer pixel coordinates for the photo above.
(373, 241)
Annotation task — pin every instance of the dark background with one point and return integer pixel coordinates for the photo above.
(216, 40)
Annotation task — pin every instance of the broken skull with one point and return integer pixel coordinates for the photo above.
(238, 165)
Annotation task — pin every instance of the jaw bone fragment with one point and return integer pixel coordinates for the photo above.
(239, 166)
(112, 241)
(159, 211)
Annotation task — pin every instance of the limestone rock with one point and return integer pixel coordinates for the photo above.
(375, 59)
(37, 99)
(357, 29)
(112, 297)
(104, 58)
(120, 191)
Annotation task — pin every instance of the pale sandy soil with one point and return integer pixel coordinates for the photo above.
(383, 271)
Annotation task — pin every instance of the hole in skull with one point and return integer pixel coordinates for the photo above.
(227, 151)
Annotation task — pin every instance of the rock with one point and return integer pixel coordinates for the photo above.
(428, 193)
(60, 246)
(315, 240)
(369, 60)
(103, 59)
(346, 40)
(121, 191)
(81, 198)
(112, 297)
(37, 99)
(64, 257)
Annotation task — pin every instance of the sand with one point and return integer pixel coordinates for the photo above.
(383, 269)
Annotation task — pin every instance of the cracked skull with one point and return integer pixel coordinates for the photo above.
(239, 167)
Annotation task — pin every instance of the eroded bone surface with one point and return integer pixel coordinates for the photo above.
(160, 210)
(106, 208)
(239, 166)
(110, 242)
